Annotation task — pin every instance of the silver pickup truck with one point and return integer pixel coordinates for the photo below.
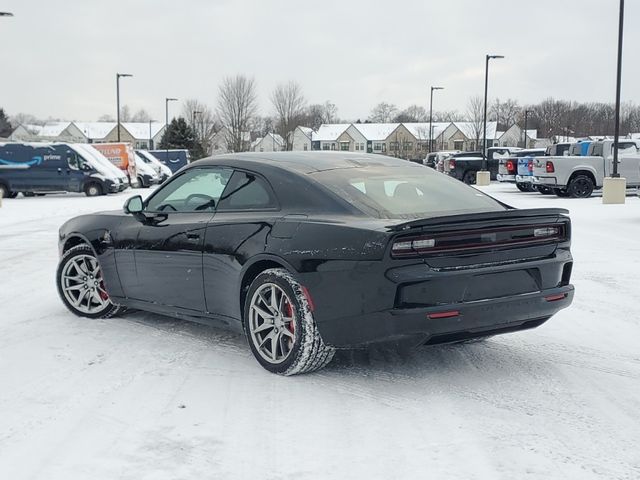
(578, 176)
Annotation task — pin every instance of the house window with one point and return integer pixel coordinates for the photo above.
(325, 146)
(423, 146)
(458, 145)
(377, 147)
(393, 146)
(406, 146)
(357, 147)
(305, 147)
(344, 146)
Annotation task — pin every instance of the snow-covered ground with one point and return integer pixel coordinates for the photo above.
(148, 397)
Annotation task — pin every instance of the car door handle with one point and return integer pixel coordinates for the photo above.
(193, 236)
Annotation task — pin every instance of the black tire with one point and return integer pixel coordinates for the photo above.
(544, 190)
(13, 195)
(522, 186)
(308, 352)
(141, 183)
(109, 310)
(561, 192)
(93, 189)
(580, 186)
(4, 191)
(469, 177)
(28, 194)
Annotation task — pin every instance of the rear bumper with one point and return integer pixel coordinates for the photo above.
(506, 178)
(449, 323)
(552, 181)
(524, 179)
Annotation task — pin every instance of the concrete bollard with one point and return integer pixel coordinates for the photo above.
(483, 178)
(614, 191)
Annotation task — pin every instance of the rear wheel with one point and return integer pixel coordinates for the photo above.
(561, 192)
(81, 285)
(469, 178)
(581, 186)
(4, 191)
(544, 190)
(93, 190)
(522, 187)
(280, 327)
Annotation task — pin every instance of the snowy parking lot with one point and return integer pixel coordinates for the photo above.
(149, 397)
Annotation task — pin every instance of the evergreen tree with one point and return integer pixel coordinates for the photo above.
(5, 126)
(180, 135)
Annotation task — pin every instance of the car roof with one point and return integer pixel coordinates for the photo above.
(300, 162)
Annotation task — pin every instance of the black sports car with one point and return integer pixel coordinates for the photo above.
(307, 252)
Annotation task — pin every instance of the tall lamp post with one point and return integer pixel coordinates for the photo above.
(431, 117)
(484, 177)
(166, 124)
(118, 76)
(615, 187)
(526, 118)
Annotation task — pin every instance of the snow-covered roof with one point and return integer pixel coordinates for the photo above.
(269, 137)
(330, 131)
(140, 130)
(468, 129)
(31, 128)
(306, 130)
(532, 134)
(53, 129)
(376, 131)
(421, 130)
(97, 130)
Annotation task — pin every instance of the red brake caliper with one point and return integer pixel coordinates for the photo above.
(103, 292)
(292, 323)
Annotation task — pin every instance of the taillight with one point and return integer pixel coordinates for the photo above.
(550, 167)
(530, 165)
(511, 167)
(412, 246)
(452, 164)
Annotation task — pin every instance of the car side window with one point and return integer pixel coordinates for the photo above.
(247, 191)
(196, 190)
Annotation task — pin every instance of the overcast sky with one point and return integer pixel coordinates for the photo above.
(59, 58)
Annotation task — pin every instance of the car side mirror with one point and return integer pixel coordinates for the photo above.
(133, 205)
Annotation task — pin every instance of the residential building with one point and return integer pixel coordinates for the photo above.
(301, 139)
(271, 142)
(326, 138)
(514, 137)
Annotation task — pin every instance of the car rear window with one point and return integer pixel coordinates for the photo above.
(405, 192)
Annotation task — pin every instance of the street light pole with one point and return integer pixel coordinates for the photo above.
(484, 121)
(526, 117)
(118, 75)
(614, 188)
(166, 124)
(431, 117)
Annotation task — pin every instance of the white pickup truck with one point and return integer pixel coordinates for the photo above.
(577, 176)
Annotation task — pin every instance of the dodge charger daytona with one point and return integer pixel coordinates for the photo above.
(309, 252)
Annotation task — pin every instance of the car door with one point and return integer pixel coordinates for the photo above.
(629, 162)
(245, 215)
(169, 241)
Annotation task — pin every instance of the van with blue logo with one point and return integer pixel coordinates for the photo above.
(174, 159)
(40, 168)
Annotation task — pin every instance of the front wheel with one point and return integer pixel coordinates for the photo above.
(280, 327)
(81, 285)
(469, 178)
(4, 191)
(93, 190)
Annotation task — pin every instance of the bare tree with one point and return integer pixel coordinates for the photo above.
(237, 105)
(125, 113)
(329, 112)
(383, 113)
(505, 113)
(25, 119)
(289, 104)
(141, 116)
(202, 120)
(106, 118)
(475, 114)
(413, 113)
(448, 116)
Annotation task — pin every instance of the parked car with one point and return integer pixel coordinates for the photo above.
(431, 160)
(147, 175)
(508, 167)
(163, 171)
(37, 168)
(88, 152)
(465, 166)
(307, 252)
(524, 177)
(579, 176)
(442, 158)
(174, 159)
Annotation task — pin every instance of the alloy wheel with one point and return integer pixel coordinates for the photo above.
(272, 323)
(82, 284)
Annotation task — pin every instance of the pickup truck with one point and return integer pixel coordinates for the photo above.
(578, 176)
(465, 166)
(517, 165)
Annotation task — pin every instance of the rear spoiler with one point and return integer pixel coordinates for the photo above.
(483, 216)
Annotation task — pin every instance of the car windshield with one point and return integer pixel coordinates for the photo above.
(404, 192)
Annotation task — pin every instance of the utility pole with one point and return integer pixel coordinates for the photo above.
(614, 188)
(526, 117)
(166, 124)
